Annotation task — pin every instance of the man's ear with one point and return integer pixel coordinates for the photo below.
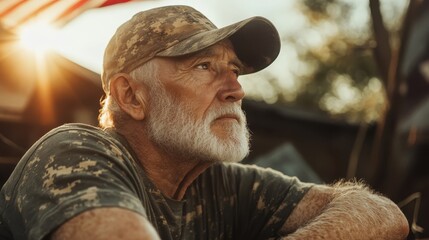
(129, 94)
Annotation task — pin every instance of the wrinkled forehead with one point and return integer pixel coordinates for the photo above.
(219, 53)
(224, 46)
(223, 49)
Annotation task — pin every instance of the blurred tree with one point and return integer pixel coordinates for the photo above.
(335, 72)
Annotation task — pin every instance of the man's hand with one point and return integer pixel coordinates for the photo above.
(345, 211)
(106, 223)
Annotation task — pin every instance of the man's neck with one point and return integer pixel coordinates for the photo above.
(171, 174)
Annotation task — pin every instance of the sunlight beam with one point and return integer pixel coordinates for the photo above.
(38, 37)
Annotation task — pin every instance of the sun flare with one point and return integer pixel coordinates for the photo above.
(38, 37)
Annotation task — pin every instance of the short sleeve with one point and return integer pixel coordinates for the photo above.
(266, 199)
(70, 172)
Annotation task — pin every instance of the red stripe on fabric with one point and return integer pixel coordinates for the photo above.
(37, 11)
(71, 9)
(11, 8)
(112, 2)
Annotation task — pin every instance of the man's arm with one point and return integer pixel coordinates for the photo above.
(345, 211)
(106, 223)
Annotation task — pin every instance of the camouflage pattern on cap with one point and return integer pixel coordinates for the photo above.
(179, 30)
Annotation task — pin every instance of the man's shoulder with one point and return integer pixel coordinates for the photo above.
(249, 173)
(74, 138)
(76, 131)
(237, 171)
(73, 128)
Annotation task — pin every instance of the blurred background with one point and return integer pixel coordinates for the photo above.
(348, 96)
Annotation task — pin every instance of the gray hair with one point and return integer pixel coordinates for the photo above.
(111, 115)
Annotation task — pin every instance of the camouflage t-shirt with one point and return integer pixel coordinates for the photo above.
(77, 167)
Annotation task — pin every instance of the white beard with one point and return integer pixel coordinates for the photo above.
(171, 126)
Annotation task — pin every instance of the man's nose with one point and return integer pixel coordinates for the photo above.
(231, 90)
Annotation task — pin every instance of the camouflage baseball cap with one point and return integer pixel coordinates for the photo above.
(180, 30)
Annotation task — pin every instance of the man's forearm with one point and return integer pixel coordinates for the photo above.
(106, 223)
(354, 212)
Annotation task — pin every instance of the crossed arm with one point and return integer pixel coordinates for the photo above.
(343, 211)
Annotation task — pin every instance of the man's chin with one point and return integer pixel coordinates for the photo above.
(233, 152)
(226, 132)
(233, 146)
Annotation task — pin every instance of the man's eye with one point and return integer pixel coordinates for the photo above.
(237, 72)
(203, 66)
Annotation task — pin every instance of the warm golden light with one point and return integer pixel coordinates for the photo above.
(38, 37)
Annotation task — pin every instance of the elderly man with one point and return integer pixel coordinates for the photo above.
(163, 165)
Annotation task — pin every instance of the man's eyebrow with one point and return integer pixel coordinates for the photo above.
(237, 62)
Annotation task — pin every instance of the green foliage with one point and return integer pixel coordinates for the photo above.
(343, 81)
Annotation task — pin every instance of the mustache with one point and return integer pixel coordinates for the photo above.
(231, 111)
